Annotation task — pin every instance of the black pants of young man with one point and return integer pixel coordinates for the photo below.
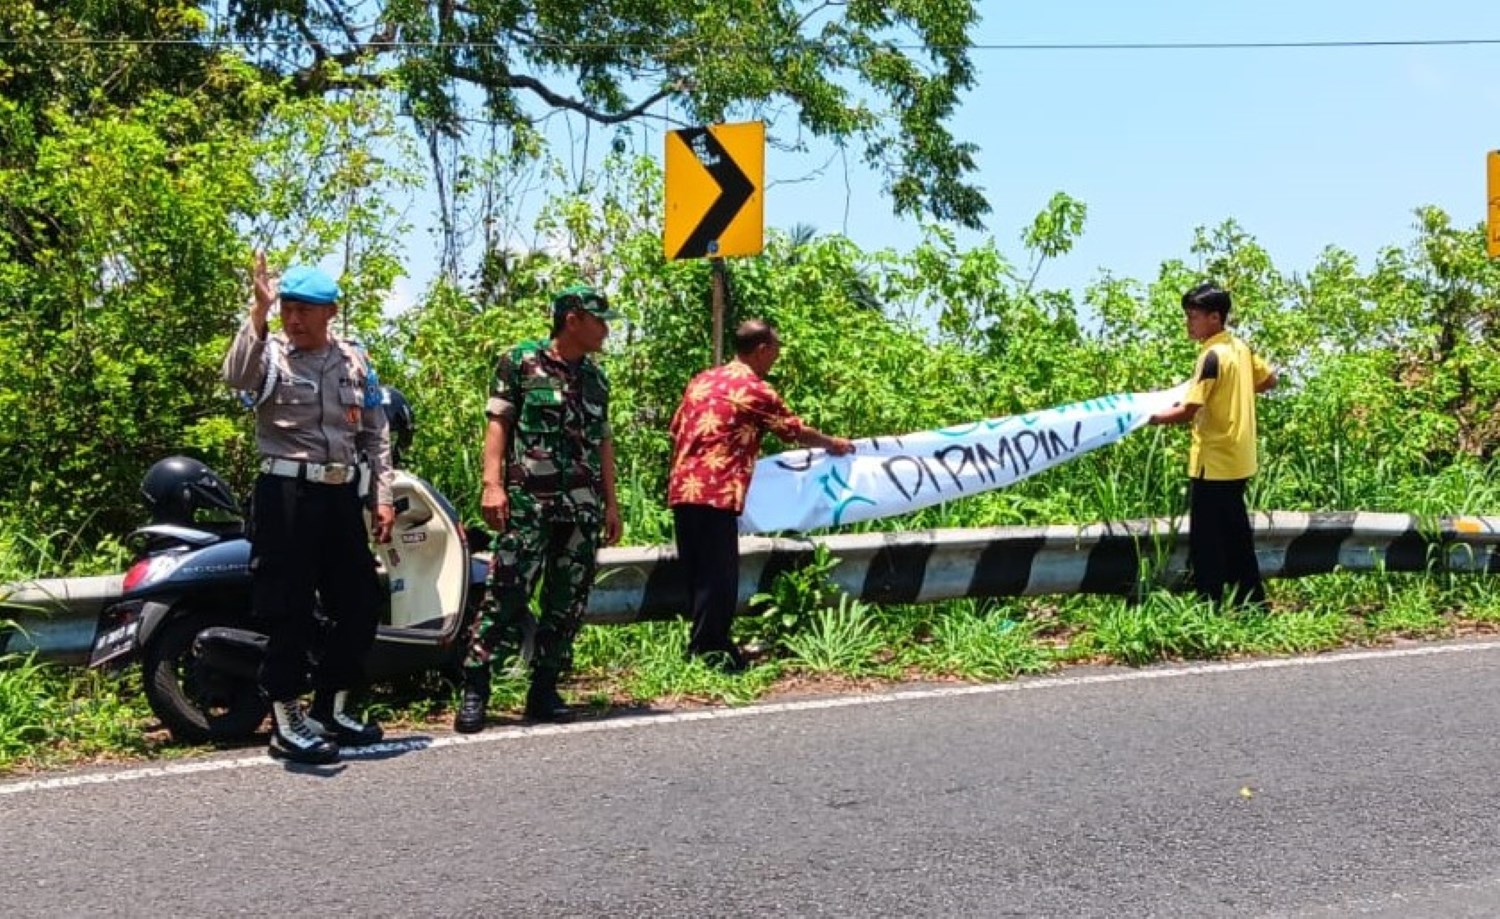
(708, 544)
(309, 541)
(1221, 545)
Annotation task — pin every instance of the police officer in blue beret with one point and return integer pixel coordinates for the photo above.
(317, 411)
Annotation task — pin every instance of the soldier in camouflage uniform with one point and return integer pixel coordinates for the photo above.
(549, 491)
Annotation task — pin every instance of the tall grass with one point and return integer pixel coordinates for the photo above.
(1462, 489)
(1183, 627)
(647, 662)
(54, 714)
(50, 715)
(966, 641)
(840, 639)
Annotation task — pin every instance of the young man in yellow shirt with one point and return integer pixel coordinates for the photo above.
(1220, 406)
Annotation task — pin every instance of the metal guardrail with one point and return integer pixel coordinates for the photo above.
(1103, 558)
(647, 583)
(55, 617)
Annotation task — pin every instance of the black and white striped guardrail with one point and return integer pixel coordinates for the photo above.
(646, 583)
(1105, 558)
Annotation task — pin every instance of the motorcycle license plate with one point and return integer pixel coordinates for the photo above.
(117, 640)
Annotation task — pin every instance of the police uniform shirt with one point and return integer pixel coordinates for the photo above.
(316, 412)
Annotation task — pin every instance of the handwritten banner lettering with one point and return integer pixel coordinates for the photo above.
(886, 476)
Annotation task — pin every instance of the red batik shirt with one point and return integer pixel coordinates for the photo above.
(716, 435)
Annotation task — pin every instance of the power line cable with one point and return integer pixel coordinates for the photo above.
(1240, 45)
(299, 43)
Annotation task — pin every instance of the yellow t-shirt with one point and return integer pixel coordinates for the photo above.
(1223, 383)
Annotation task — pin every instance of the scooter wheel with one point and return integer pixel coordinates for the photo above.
(195, 703)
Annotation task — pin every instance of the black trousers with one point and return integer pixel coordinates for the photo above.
(1221, 545)
(309, 541)
(708, 543)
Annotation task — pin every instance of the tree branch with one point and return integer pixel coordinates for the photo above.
(557, 100)
(337, 15)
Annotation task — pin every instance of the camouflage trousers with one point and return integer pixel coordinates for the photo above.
(561, 555)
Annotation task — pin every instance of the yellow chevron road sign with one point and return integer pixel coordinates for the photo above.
(1492, 226)
(715, 191)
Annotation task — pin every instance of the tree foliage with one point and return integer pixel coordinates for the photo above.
(886, 342)
(886, 77)
(134, 185)
(122, 273)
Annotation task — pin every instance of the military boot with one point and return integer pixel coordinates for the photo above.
(293, 737)
(476, 697)
(543, 702)
(331, 719)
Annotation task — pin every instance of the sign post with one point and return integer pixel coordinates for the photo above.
(721, 302)
(715, 205)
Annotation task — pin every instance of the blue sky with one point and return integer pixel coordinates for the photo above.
(1304, 147)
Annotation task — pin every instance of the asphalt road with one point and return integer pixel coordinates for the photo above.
(1355, 785)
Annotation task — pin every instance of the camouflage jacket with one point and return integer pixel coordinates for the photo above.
(556, 415)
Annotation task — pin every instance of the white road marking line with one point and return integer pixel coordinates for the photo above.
(630, 723)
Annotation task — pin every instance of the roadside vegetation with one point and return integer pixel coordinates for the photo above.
(1387, 404)
(810, 639)
(133, 193)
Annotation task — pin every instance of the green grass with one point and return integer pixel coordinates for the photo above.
(1478, 599)
(51, 716)
(842, 639)
(1164, 626)
(968, 643)
(647, 662)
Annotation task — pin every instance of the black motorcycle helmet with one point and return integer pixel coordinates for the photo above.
(403, 424)
(177, 487)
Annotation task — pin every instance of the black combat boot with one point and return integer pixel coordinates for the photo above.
(476, 697)
(330, 718)
(543, 703)
(293, 737)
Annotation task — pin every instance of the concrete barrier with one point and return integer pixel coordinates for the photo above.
(646, 583)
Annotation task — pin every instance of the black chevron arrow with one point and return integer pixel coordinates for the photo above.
(735, 188)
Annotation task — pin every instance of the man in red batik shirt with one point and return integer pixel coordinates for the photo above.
(716, 437)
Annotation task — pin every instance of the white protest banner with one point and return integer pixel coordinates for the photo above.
(885, 476)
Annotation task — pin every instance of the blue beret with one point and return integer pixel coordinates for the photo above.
(307, 284)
